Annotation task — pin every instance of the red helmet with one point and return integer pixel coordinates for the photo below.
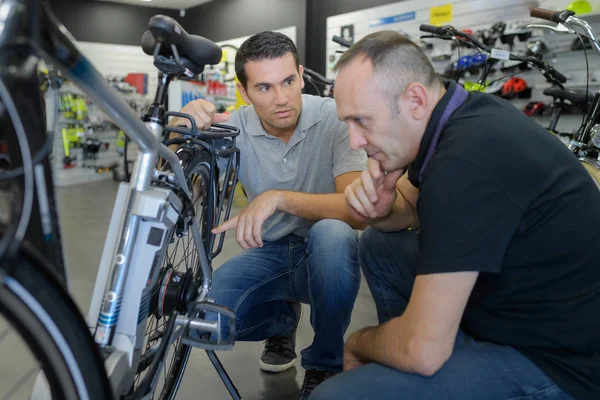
(513, 87)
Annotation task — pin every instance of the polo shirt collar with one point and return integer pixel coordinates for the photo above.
(310, 115)
(427, 145)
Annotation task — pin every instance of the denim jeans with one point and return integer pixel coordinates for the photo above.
(475, 370)
(320, 270)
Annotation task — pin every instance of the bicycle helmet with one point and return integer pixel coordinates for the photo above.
(537, 47)
(515, 30)
(577, 45)
(534, 108)
(515, 86)
(580, 7)
(488, 37)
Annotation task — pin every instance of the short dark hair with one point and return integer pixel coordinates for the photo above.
(266, 45)
(396, 59)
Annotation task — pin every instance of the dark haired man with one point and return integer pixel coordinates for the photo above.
(297, 232)
(497, 295)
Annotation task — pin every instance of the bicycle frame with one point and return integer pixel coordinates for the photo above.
(144, 216)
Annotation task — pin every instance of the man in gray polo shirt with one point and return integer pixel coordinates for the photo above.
(297, 232)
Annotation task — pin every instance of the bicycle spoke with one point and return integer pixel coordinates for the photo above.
(20, 383)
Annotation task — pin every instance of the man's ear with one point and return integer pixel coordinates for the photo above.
(243, 92)
(301, 71)
(418, 100)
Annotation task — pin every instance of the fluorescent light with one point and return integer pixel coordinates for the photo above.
(145, 0)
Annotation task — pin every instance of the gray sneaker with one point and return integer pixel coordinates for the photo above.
(280, 351)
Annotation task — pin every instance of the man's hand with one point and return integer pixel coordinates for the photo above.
(372, 196)
(351, 358)
(203, 113)
(250, 220)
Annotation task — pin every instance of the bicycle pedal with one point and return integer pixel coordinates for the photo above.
(216, 333)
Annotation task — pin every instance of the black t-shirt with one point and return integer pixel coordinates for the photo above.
(502, 196)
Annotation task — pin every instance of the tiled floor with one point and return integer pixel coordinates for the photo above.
(85, 212)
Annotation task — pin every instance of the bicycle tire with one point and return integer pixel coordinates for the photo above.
(51, 326)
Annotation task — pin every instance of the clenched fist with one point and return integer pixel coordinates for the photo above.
(372, 196)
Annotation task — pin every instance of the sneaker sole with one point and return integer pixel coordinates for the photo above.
(277, 368)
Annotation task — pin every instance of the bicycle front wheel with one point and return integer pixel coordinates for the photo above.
(40, 323)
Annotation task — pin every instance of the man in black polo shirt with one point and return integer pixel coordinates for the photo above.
(497, 294)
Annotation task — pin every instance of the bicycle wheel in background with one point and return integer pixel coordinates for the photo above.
(180, 276)
(40, 324)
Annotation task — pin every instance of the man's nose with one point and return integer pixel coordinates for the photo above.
(357, 141)
(281, 98)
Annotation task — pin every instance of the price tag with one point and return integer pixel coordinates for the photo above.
(500, 54)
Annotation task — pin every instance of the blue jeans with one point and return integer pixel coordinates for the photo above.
(476, 370)
(320, 270)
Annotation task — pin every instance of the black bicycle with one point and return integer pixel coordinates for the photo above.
(151, 301)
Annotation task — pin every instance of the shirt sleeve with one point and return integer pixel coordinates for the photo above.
(467, 219)
(344, 158)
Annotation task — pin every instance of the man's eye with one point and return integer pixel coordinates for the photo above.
(263, 88)
(289, 82)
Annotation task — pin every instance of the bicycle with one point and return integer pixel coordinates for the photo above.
(146, 300)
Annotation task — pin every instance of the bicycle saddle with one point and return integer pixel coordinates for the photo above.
(166, 30)
(574, 96)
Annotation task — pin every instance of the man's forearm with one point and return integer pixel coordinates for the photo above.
(388, 344)
(316, 207)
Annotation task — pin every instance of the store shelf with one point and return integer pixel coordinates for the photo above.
(65, 121)
(221, 98)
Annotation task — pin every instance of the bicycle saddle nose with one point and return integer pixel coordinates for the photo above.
(166, 30)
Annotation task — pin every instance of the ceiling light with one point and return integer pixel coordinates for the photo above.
(145, 0)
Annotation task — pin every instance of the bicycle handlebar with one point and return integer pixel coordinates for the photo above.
(341, 41)
(436, 30)
(448, 31)
(317, 76)
(567, 18)
(548, 15)
(557, 75)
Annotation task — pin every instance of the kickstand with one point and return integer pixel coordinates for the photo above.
(223, 374)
